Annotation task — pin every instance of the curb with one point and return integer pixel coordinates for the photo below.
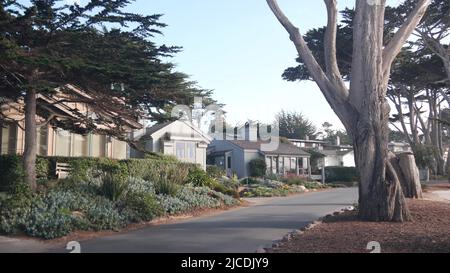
(298, 232)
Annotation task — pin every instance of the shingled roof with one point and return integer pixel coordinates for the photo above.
(283, 148)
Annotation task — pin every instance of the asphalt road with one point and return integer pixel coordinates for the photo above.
(243, 230)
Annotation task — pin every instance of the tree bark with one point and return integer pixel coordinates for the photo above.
(363, 108)
(408, 174)
(29, 156)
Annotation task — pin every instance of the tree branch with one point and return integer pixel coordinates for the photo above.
(332, 68)
(330, 90)
(395, 45)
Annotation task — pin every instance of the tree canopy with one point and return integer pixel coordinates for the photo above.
(295, 125)
(49, 44)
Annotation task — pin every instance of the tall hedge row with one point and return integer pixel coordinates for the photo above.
(341, 174)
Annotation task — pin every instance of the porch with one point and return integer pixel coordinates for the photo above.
(283, 165)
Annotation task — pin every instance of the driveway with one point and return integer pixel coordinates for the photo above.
(242, 230)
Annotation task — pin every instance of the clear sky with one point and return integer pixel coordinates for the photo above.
(237, 48)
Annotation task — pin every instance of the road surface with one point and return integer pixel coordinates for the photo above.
(243, 230)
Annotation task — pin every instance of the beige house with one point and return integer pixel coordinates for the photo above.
(56, 142)
(180, 138)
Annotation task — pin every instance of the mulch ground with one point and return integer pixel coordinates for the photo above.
(429, 232)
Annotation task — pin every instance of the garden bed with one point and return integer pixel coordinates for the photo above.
(273, 188)
(108, 195)
(429, 232)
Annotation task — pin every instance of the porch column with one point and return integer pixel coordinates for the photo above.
(309, 167)
(297, 167)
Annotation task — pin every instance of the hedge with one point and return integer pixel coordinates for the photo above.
(257, 167)
(341, 174)
(153, 169)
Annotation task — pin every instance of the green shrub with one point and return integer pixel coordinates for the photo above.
(104, 216)
(138, 185)
(199, 178)
(341, 174)
(12, 172)
(153, 170)
(225, 199)
(294, 180)
(198, 197)
(49, 223)
(142, 207)
(172, 205)
(14, 212)
(257, 167)
(113, 186)
(42, 168)
(314, 185)
(215, 172)
(166, 187)
(425, 156)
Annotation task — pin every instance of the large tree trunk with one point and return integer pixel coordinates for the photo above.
(363, 108)
(29, 156)
(381, 196)
(380, 193)
(408, 174)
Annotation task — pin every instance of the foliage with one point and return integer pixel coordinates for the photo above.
(191, 198)
(257, 167)
(142, 207)
(12, 172)
(294, 180)
(199, 178)
(166, 187)
(42, 168)
(89, 50)
(138, 185)
(295, 125)
(274, 188)
(198, 197)
(215, 172)
(113, 186)
(341, 174)
(424, 155)
(159, 170)
(106, 202)
(261, 191)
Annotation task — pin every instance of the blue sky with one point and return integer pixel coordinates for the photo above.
(238, 49)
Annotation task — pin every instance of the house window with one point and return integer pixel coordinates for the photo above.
(186, 151)
(98, 146)
(4, 138)
(80, 146)
(229, 162)
(293, 164)
(42, 140)
(63, 143)
(190, 152)
(181, 146)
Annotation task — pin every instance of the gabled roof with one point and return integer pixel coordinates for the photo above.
(283, 148)
(158, 127)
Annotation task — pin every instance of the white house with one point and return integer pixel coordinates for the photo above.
(338, 158)
(178, 138)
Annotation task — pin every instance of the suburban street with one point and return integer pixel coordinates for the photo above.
(242, 230)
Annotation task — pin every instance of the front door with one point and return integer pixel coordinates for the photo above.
(229, 165)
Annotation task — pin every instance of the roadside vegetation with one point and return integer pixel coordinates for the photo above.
(104, 194)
